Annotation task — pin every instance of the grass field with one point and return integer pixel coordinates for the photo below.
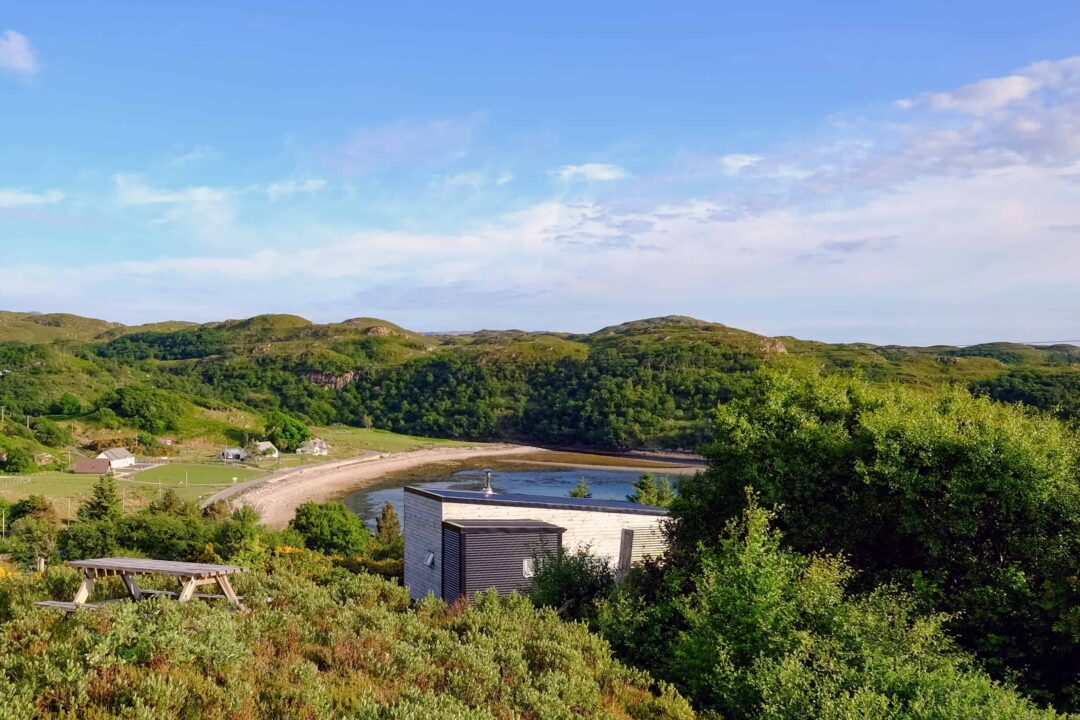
(67, 491)
(203, 476)
(346, 441)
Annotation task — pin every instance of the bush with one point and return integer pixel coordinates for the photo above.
(339, 645)
(50, 433)
(756, 631)
(973, 505)
(331, 528)
(571, 583)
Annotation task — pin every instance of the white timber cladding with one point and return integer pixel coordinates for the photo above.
(600, 531)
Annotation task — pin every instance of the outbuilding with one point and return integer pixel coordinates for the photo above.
(314, 446)
(118, 457)
(459, 542)
(266, 449)
(91, 466)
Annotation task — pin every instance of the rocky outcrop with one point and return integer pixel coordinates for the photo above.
(330, 380)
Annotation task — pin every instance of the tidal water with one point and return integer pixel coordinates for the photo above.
(604, 484)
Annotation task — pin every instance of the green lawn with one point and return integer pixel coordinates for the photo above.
(68, 491)
(346, 441)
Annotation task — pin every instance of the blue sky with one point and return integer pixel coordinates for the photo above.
(889, 172)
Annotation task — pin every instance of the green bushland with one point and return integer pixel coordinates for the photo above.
(858, 551)
(321, 642)
(326, 636)
(972, 505)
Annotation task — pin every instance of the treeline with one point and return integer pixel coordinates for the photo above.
(854, 551)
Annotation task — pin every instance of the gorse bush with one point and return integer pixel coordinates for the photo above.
(320, 643)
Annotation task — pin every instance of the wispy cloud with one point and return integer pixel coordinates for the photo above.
(406, 142)
(20, 198)
(308, 186)
(196, 154)
(591, 172)
(203, 206)
(17, 55)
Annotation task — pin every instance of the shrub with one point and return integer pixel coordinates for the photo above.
(331, 528)
(571, 582)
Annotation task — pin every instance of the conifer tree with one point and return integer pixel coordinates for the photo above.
(104, 502)
(582, 490)
(387, 527)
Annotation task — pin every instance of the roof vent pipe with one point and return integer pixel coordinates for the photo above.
(487, 482)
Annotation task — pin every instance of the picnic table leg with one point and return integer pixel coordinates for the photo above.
(227, 591)
(87, 587)
(132, 586)
(188, 589)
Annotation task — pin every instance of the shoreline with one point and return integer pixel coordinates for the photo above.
(275, 497)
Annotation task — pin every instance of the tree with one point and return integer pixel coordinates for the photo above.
(581, 490)
(68, 404)
(104, 502)
(650, 490)
(331, 528)
(34, 506)
(19, 460)
(387, 526)
(50, 433)
(973, 505)
(285, 431)
(749, 629)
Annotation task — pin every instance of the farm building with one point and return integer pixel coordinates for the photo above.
(117, 457)
(265, 448)
(233, 453)
(315, 446)
(459, 542)
(91, 466)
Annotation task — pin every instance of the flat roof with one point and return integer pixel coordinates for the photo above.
(553, 502)
(503, 526)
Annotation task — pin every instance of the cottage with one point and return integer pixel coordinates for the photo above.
(458, 542)
(265, 449)
(315, 446)
(118, 457)
(91, 466)
(233, 454)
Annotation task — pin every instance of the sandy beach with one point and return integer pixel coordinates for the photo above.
(277, 496)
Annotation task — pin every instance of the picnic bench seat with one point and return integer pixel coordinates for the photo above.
(190, 576)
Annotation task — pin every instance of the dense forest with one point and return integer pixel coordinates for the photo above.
(650, 383)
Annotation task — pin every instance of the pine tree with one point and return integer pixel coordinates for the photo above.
(104, 502)
(650, 490)
(387, 527)
(582, 490)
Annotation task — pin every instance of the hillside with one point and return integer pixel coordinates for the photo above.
(650, 382)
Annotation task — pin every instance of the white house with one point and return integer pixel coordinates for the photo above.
(459, 542)
(233, 453)
(315, 446)
(266, 449)
(117, 457)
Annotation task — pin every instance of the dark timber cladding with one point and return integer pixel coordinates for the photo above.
(482, 554)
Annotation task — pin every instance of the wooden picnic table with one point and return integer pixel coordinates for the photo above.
(191, 576)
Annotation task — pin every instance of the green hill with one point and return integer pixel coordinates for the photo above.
(649, 382)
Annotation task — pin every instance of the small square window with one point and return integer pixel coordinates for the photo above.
(528, 567)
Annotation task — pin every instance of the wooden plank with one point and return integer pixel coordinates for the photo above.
(72, 607)
(118, 566)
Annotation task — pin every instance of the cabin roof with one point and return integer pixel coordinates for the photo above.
(541, 501)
